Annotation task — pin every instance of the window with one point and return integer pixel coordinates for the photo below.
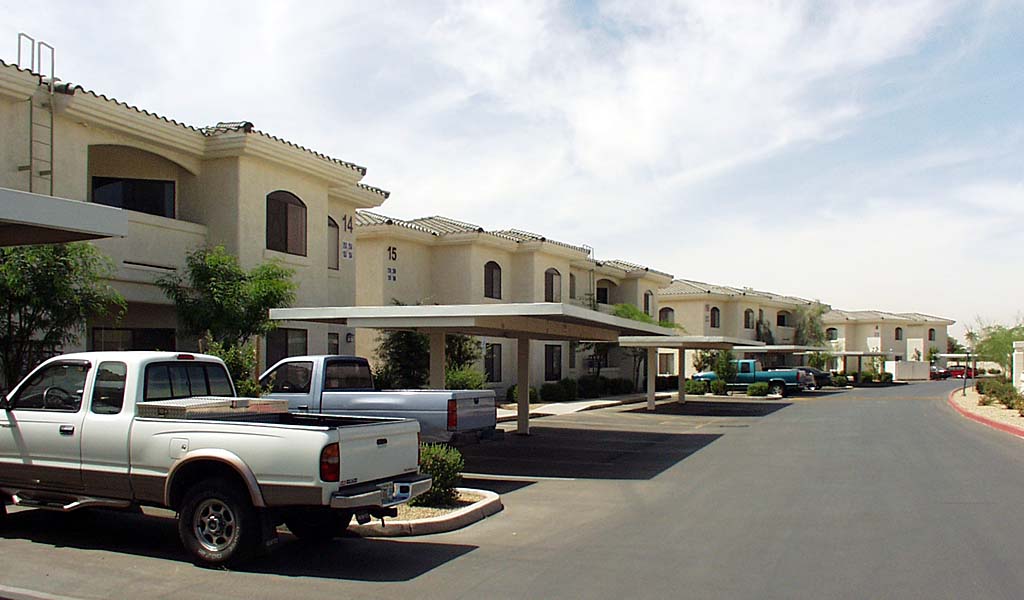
(289, 378)
(716, 317)
(151, 196)
(333, 343)
(603, 288)
(333, 243)
(347, 375)
(108, 390)
(931, 335)
(573, 349)
(492, 363)
(783, 319)
(286, 223)
(748, 319)
(648, 302)
(666, 364)
(166, 381)
(899, 333)
(832, 333)
(109, 339)
(599, 359)
(572, 286)
(552, 362)
(744, 367)
(552, 286)
(602, 295)
(282, 343)
(492, 280)
(57, 387)
(666, 315)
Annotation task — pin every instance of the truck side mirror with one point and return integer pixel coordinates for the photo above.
(5, 403)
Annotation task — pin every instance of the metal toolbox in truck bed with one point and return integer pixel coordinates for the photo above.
(210, 407)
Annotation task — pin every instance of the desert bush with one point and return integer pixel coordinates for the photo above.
(467, 378)
(592, 386)
(719, 388)
(758, 389)
(839, 380)
(885, 377)
(444, 464)
(552, 392)
(570, 388)
(512, 395)
(696, 387)
(620, 386)
(866, 376)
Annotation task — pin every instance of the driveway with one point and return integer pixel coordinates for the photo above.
(881, 493)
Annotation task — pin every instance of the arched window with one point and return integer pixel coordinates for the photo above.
(572, 286)
(552, 286)
(604, 291)
(286, 223)
(666, 315)
(649, 302)
(716, 317)
(931, 335)
(784, 319)
(748, 319)
(333, 244)
(899, 333)
(832, 333)
(492, 280)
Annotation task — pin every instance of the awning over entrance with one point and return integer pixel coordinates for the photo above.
(27, 219)
(681, 343)
(523, 322)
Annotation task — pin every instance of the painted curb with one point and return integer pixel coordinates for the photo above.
(1011, 429)
(458, 519)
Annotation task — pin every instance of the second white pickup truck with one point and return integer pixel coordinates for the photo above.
(343, 385)
(122, 429)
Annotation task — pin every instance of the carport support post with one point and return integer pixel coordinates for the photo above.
(523, 387)
(652, 376)
(682, 375)
(437, 360)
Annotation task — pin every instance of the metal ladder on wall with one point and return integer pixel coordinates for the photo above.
(40, 117)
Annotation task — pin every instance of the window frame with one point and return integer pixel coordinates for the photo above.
(492, 280)
(333, 236)
(16, 395)
(783, 318)
(898, 334)
(552, 285)
(128, 183)
(666, 311)
(492, 363)
(287, 343)
(184, 365)
(552, 362)
(748, 319)
(715, 318)
(287, 200)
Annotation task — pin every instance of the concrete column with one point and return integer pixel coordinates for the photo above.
(1018, 365)
(437, 360)
(652, 376)
(523, 387)
(682, 375)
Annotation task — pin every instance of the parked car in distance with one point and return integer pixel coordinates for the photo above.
(163, 429)
(821, 378)
(343, 385)
(780, 382)
(938, 373)
(961, 371)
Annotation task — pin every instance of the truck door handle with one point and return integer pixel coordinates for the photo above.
(382, 441)
(67, 430)
(302, 407)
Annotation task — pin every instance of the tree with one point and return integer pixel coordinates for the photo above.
(933, 353)
(995, 343)
(403, 357)
(704, 360)
(47, 293)
(216, 295)
(460, 351)
(808, 329)
(725, 368)
(953, 346)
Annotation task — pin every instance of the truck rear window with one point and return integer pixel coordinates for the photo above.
(167, 381)
(345, 375)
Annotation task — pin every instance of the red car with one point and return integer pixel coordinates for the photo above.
(960, 371)
(939, 373)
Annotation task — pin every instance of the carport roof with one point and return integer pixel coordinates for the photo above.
(27, 218)
(689, 342)
(781, 348)
(542, 320)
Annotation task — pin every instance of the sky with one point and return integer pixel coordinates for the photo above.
(865, 154)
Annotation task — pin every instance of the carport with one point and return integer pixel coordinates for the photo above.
(859, 355)
(676, 342)
(545, 321)
(27, 219)
(792, 349)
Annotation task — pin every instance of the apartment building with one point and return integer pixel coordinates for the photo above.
(717, 310)
(901, 336)
(184, 187)
(439, 260)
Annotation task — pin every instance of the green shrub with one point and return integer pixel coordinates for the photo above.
(444, 464)
(719, 388)
(866, 376)
(758, 389)
(620, 386)
(985, 400)
(839, 380)
(980, 385)
(592, 386)
(512, 395)
(696, 387)
(666, 383)
(466, 378)
(885, 377)
(241, 362)
(570, 388)
(552, 392)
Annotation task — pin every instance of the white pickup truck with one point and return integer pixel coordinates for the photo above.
(344, 385)
(122, 429)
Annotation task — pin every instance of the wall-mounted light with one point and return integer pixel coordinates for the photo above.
(350, 337)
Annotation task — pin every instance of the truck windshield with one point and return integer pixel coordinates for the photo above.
(167, 381)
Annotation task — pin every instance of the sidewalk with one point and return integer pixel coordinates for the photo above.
(564, 408)
(995, 416)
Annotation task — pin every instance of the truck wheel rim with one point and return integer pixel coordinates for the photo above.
(214, 525)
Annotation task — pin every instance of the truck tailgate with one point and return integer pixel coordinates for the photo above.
(377, 451)
(476, 410)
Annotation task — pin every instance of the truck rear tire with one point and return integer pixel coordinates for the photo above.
(217, 523)
(777, 389)
(317, 524)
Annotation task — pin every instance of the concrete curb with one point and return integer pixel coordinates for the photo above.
(1004, 427)
(458, 519)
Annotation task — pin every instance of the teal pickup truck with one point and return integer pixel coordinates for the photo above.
(780, 382)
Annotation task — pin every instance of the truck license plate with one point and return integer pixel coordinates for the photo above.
(387, 491)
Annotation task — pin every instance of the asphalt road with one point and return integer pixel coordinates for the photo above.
(883, 493)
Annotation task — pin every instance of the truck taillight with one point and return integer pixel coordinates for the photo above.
(330, 463)
(453, 415)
